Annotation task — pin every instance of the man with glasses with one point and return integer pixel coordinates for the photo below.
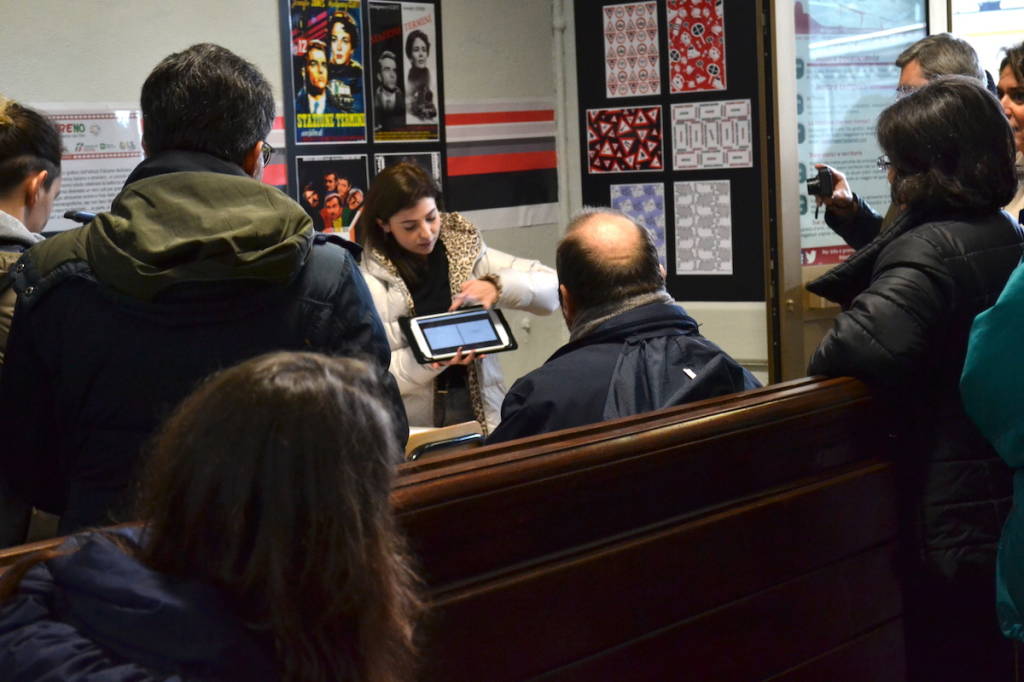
(197, 267)
(937, 55)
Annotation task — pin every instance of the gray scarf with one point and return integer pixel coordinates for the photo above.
(588, 320)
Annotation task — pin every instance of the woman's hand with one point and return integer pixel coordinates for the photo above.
(459, 359)
(476, 291)
(841, 201)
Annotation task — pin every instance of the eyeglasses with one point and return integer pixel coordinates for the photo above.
(266, 152)
(883, 162)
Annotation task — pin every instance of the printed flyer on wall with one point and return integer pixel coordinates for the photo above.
(327, 72)
(101, 148)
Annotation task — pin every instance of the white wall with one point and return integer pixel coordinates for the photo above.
(102, 50)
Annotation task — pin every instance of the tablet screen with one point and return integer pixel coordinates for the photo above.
(469, 330)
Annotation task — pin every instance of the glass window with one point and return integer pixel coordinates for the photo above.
(845, 77)
(989, 27)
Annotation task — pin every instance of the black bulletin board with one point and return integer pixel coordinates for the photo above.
(362, 141)
(747, 201)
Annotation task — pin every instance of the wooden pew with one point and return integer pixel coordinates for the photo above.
(749, 537)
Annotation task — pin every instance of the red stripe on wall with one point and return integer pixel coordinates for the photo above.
(499, 117)
(276, 174)
(278, 123)
(501, 163)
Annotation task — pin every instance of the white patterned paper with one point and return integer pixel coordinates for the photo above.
(703, 227)
(631, 50)
(707, 135)
(644, 203)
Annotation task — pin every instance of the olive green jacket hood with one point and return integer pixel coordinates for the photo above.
(187, 228)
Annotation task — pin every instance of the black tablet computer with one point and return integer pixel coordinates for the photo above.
(439, 337)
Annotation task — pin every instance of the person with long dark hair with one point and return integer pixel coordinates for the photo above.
(909, 297)
(418, 261)
(269, 550)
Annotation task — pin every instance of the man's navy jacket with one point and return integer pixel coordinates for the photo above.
(641, 360)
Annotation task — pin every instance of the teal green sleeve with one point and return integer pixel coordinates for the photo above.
(992, 385)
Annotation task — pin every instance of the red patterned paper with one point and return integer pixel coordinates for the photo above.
(631, 50)
(696, 45)
(624, 140)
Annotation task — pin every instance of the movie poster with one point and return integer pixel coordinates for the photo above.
(327, 71)
(403, 53)
(332, 190)
(428, 161)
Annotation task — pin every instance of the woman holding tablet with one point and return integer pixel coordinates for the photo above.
(420, 261)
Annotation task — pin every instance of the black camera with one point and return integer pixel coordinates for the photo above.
(822, 185)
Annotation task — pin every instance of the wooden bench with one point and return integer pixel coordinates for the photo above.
(749, 537)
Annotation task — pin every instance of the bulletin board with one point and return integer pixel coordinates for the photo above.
(363, 89)
(670, 117)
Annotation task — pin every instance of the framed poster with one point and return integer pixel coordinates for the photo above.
(359, 77)
(332, 189)
(679, 144)
(328, 79)
(403, 36)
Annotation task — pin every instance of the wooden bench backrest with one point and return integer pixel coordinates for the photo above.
(746, 537)
(741, 538)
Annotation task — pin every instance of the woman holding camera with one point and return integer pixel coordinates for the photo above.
(420, 261)
(909, 296)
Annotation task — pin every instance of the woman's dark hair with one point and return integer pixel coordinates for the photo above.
(1015, 60)
(206, 99)
(271, 482)
(950, 147)
(394, 189)
(413, 35)
(29, 143)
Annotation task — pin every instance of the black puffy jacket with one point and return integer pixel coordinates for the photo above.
(909, 297)
(196, 268)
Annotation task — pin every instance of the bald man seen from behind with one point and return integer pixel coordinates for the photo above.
(631, 348)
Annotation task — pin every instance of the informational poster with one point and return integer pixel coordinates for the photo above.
(710, 135)
(327, 71)
(696, 45)
(624, 140)
(332, 189)
(403, 39)
(845, 77)
(703, 227)
(631, 50)
(644, 203)
(101, 148)
(428, 161)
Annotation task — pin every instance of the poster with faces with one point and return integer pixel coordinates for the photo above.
(332, 189)
(631, 50)
(403, 39)
(696, 45)
(327, 75)
(710, 135)
(703, 227)
(644, 203)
